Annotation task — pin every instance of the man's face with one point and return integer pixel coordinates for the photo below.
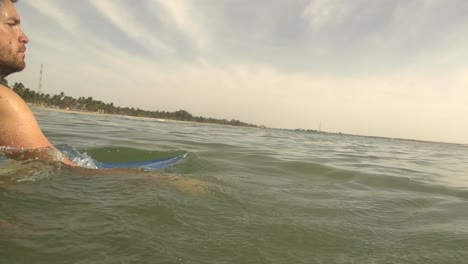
(12, 40)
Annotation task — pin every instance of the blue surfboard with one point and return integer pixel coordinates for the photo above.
(154, 164)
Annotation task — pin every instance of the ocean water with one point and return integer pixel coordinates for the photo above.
(242, 195)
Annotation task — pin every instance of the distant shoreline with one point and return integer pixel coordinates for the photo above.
(67, 110)
(89, 105)
(77, 111)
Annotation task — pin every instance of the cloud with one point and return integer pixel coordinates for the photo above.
(119, 15)
(323, 13)
(182, 14)
(60, 16)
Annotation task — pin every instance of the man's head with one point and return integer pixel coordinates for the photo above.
(12, 40)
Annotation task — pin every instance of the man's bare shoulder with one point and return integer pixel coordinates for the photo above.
(5, 91)
(10, 102)
(19, 130)
(18, 126)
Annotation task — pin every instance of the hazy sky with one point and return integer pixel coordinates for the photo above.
(394, 68)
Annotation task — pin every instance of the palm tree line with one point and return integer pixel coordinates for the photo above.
(62, 101)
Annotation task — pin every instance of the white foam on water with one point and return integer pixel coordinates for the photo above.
(21, 169)
(85, 161)
(80, 159)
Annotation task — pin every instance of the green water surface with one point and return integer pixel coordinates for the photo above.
(243, 195)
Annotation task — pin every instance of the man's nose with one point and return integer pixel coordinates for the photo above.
(23, 38)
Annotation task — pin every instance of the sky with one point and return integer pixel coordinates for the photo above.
(390, 68)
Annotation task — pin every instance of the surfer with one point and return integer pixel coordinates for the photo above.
(20, 134)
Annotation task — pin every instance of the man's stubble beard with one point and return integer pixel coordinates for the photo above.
(10, 62)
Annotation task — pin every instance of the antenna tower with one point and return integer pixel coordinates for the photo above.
(39, 90)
